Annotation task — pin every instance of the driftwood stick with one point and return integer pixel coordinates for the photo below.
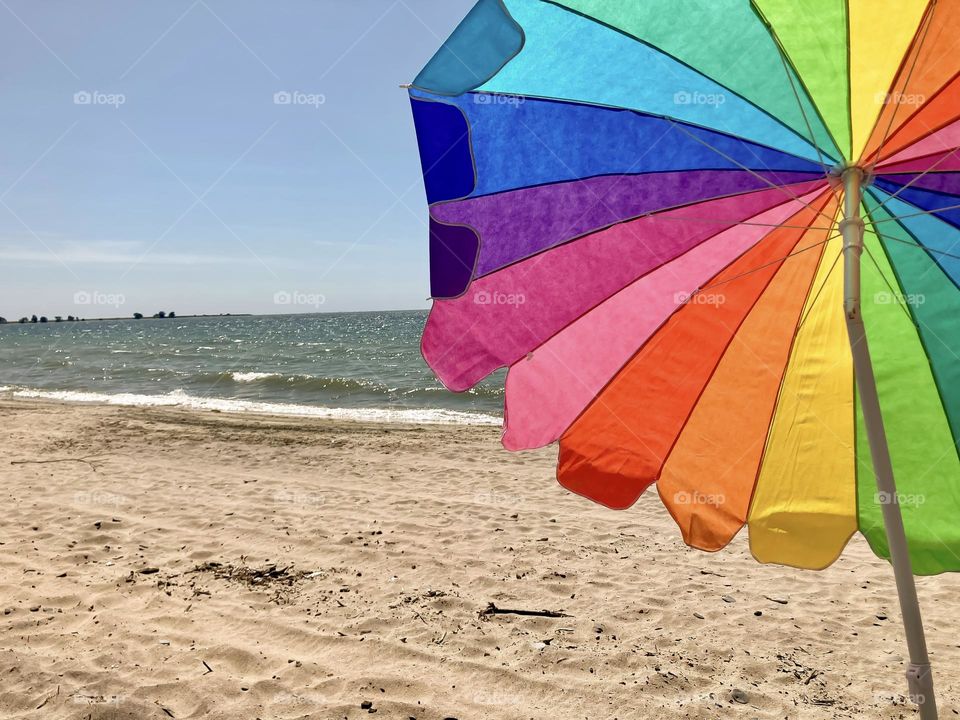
(492, 609)
(92, 462)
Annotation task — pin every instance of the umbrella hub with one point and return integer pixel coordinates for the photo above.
(835, 175)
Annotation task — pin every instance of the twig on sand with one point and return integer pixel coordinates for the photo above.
(92, 462)
(492, 609)
(48, 698)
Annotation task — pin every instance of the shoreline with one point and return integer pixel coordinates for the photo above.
(239, 406)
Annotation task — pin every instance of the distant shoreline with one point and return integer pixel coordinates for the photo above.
(133, 319)
(207, 315)
(124, 318)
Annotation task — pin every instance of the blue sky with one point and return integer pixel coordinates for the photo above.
(149, 163)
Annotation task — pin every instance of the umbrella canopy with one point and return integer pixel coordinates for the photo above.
(634, 208)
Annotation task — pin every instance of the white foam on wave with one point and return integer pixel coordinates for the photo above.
(178, 398)
(242, 377)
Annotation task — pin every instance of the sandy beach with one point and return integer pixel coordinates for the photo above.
(187, 564)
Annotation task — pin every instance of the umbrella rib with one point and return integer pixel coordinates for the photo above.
(919, 213)
(732, 221)
(918, 177)
(816, 296)
(928, 19)
(788, 66)
(761, 267)
(744, 167)
(698, 71)
(917, 245)
(893, 292)
(796, 94)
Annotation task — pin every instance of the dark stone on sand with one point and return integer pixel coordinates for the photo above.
(366, 705)
(739, 696)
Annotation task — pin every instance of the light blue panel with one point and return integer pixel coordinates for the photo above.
(486, 39)
(930, 232)
(567, 56)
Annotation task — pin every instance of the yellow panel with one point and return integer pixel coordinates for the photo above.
(804, 508)
(880, 35)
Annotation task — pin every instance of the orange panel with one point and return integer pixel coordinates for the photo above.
(617, 447)
(708, 480)
(928, 66)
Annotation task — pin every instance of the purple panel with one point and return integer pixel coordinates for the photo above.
(453, 256)
(510, 312)
(947, 161)
(948, 183)
(516, 224)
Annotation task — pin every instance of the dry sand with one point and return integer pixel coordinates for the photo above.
(215, 566)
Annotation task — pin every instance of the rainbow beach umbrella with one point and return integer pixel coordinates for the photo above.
(677, 223)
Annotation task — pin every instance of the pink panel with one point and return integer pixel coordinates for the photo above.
(548, 390)
(946, 138)
(504, 315)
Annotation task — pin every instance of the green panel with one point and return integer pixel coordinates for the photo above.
(699, 35)
(925, 461)
(814, 36)
(935, 306)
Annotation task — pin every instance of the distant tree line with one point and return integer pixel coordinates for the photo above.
(71, 318)
(160, 315)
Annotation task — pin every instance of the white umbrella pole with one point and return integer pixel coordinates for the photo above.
(919, 675)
